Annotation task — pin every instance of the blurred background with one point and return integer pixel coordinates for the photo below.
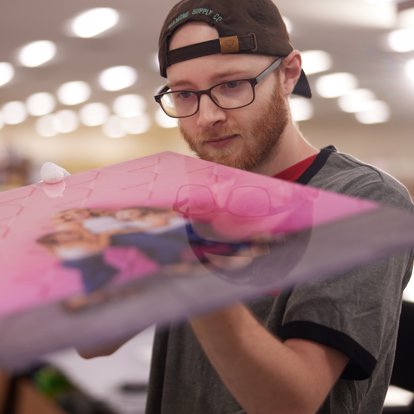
(77, 80)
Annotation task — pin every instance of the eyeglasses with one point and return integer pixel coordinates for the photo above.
(231, 94)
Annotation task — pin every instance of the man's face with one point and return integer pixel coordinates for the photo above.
(245, 138)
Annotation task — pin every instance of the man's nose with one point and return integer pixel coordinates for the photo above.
(209, 113)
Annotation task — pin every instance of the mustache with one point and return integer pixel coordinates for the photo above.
(217, 133)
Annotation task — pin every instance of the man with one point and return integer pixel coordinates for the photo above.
(326, 347)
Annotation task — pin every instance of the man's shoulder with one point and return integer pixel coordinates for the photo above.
(348, 175)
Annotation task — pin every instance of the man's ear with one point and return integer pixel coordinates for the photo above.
(292, 66)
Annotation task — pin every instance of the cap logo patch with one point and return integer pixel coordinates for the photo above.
(229, 44)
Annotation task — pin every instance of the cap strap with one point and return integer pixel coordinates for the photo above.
(229, 44)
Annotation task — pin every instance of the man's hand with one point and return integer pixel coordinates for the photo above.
(51, 173)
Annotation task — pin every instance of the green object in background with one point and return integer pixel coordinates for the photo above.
(51, 382)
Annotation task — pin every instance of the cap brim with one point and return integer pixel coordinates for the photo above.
(302, 87)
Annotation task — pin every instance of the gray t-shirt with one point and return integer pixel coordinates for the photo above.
(357, 314)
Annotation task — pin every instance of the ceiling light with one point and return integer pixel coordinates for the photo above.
(117, 78)
(6, 73)
(95, 21)
(316, 61)
(375, 112)
(409, 70)
(113, 127)
(94, 114)
(41, 103)
(409, 291)
(301, 108)
(401, 40)
(65, 121)
(74, 93)
(405, 11)
(45, 126)
(355, 100)
(155, 64)
(165, 121)
(406, 18)
(14, 113)
(397, 397)
(137, 125)
(37, 53)
(288, 24)
(335, 84)
(128, 106)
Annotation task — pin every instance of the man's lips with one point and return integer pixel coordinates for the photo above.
(220, 142)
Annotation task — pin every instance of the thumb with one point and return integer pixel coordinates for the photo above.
(51, 173)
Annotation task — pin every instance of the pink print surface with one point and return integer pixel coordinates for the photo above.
(155, 239)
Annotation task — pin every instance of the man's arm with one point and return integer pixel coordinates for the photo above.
(264, 374)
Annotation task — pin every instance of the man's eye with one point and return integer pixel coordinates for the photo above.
(231, 84)
(183, 95)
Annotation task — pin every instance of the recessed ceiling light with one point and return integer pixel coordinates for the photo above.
(165, 121)
(288, 24)
(113, 127)
(94, 114)
(401, 40)
(397, 397)
(375, 112)
(74, 93)
(409, 70)
(409, 293)
(301, 108)
(37, 53)
(45, 126)
(6, 73)
(155, 64)
(117, 78)
(128, 106)
(94, 22)
(14, 113)
(316, 61)
(335, 84)
(41, 103)
(66, 121)
(136, 125)
(406, 18)
(355, 100)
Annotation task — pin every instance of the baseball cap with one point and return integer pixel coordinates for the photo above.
(244, 26)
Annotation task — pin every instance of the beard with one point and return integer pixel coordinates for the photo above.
(260, 139)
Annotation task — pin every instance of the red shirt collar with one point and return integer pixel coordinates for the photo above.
(295, 171)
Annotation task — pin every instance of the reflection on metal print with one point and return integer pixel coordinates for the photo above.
(111, 251)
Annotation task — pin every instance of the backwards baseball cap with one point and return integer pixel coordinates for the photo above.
(244, 26)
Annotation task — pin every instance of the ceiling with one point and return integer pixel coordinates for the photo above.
(352, 31)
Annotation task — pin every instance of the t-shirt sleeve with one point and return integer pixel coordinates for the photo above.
(356, 313)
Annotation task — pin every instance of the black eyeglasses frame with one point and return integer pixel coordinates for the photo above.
(253, 82)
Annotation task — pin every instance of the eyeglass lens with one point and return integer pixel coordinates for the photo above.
(227, 95)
